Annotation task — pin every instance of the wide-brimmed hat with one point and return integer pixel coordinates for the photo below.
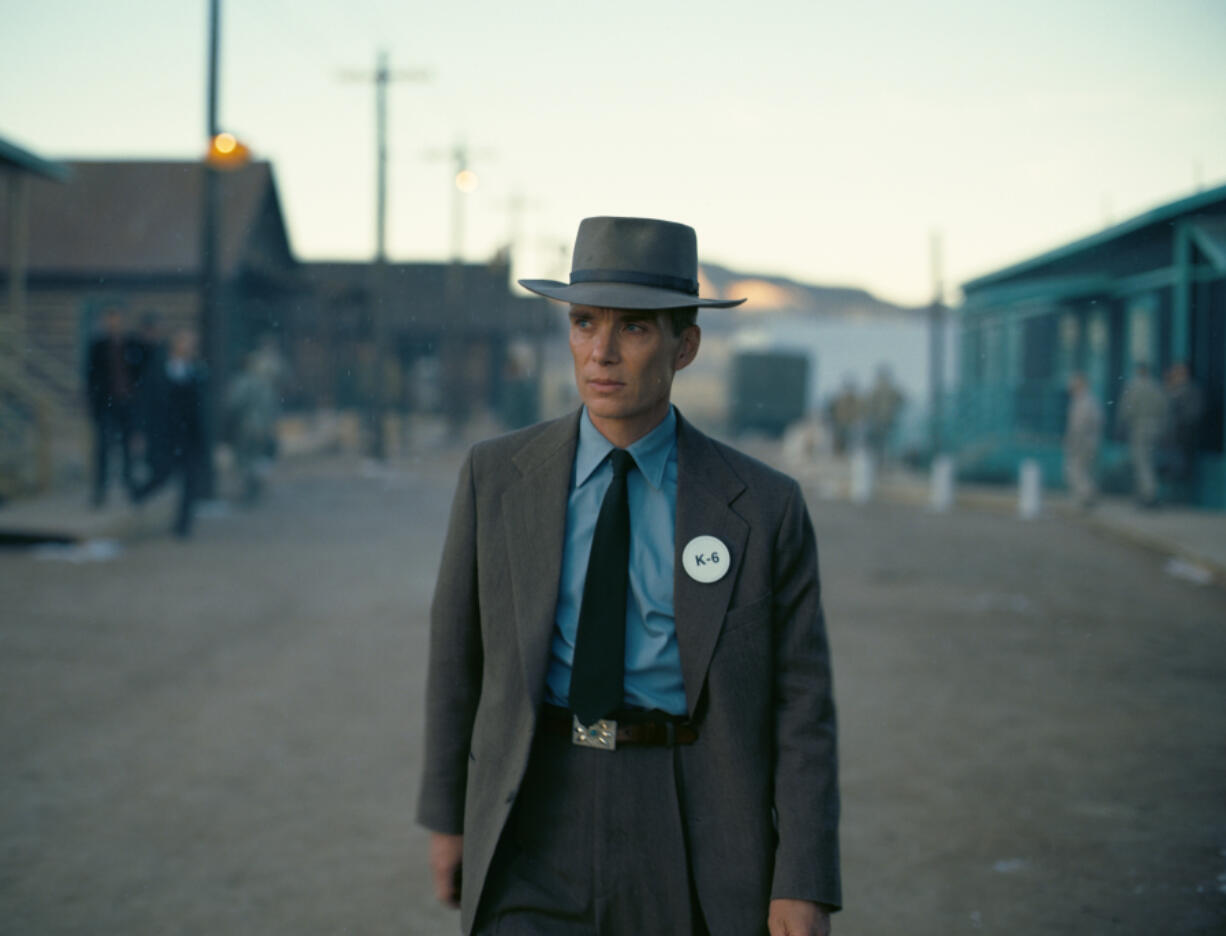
(631, 263)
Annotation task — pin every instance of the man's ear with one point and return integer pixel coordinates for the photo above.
(687, 347)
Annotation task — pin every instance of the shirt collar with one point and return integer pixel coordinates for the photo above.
(650, 453)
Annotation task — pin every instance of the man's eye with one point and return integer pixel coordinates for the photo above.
(634, 327)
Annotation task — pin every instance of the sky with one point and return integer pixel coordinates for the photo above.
(817, 140)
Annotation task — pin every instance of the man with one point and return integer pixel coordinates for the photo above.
(252, 406)
(1082, 435)
(181, 431)
(882, 406)
(109, 382)
(1143, 414)
(629, 723)
(1185, 411)
(147, 392)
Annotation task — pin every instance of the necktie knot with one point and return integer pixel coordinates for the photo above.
(622, 461)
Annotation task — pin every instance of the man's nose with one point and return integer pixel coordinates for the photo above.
(604, 348)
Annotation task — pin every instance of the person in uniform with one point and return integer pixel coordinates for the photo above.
(1083, 434)
(629, 717)
(1143, 413)
(1185, 414)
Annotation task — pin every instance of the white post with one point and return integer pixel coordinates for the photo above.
(941, 492)
(1030, 490)
(861, 475)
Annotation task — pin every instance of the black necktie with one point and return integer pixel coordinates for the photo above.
(600, 641)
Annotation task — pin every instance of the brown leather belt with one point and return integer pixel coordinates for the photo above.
(638, 728)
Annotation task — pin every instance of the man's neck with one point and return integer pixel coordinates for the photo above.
(625, 432)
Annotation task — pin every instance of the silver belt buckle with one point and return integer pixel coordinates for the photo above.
(601, 735)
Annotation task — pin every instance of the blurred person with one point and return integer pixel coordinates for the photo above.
(517, 406)
(1082, 436)
(272, 362)
(109, 380)
(182, 428)
(846, 411)
(1185, 411)
(1143, 416)
(148, 393)
(629, 724)
(881, 408)
(252, 408)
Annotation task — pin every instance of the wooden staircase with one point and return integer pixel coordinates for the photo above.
(43, 428)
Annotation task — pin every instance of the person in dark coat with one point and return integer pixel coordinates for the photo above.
(109, 383)
(148, 417)
(182, 389)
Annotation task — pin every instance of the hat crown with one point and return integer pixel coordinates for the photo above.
(642, 250)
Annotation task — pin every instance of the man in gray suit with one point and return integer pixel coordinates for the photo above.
(629, 719)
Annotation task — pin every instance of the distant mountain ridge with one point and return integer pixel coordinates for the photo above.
(780, 294)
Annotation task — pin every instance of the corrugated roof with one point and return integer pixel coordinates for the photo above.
(139, 218)
(1164, 214)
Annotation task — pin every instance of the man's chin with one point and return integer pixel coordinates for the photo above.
(605, 408)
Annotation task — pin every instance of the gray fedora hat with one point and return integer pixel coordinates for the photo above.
(631, 263)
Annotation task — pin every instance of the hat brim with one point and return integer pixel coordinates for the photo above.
(622, 295)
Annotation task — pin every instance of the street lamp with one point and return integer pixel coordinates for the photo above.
(227, 152)
(224, 154)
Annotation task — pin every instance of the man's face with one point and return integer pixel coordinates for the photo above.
(625, 360)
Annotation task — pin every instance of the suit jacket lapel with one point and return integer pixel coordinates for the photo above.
(534, 518)
(706, 488)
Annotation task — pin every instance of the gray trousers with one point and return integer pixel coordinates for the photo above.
(594, 847)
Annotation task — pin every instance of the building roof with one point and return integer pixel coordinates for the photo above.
(144, 218)
(1211, 201)
(12, 155)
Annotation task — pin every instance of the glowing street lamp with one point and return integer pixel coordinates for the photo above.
(466, 181)
(227, 152)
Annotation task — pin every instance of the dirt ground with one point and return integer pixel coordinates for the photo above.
(222, 736)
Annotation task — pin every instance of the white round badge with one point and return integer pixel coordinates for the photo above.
(706, 559)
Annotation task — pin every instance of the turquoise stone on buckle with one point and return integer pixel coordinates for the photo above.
(601, 735)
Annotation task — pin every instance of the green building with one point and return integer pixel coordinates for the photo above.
(1151, 289)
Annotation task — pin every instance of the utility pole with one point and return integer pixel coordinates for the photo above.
(936, 347)
(382, 76)
(212, 338)
(465, 183)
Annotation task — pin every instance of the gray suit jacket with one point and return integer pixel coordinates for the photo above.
(759, 788)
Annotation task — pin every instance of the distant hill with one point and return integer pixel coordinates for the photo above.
(775, 294)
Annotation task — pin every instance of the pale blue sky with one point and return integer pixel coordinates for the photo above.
(819, 140)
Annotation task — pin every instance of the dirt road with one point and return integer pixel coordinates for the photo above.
(222, 736)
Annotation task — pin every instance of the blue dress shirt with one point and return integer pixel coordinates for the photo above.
(653, 662)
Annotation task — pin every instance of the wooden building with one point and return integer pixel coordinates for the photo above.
(1151, 290)
(449, 336)
(128, 234)
(28, 421)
